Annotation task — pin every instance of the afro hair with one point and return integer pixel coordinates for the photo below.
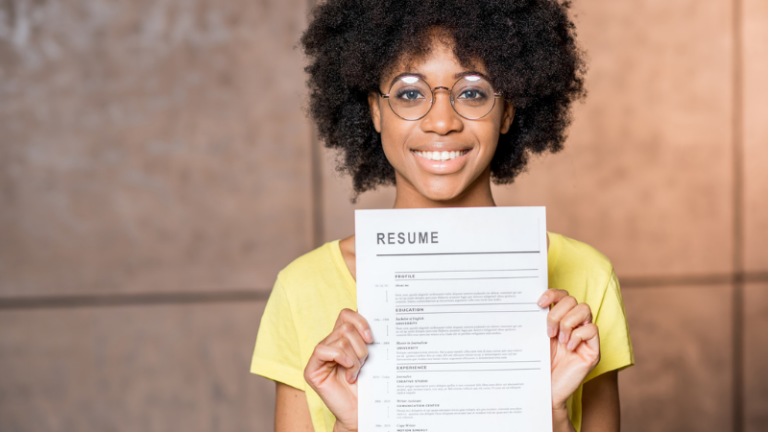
(528, 48)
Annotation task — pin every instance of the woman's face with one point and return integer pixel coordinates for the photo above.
(410, 144)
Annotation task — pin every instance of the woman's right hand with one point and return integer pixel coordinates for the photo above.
(334, 365)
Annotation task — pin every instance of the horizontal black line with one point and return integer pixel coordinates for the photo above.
(463, 271)
(463, 304)
(478, 278)
(468, 312)
(468, 370)
(460, 253)
(97, 300)
(476, 362)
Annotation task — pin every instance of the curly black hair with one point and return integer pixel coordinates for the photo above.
(527, 46)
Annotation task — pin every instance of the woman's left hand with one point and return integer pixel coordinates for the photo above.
(574, 343)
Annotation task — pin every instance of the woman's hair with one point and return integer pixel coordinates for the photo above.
(527, 46)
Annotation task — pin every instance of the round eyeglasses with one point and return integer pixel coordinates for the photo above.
(472, 97)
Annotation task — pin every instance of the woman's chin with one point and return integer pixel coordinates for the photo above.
(440, 190)
(441, 193)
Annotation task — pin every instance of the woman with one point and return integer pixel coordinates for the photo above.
(389, 89)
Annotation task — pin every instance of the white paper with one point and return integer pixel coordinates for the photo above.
(459, 341)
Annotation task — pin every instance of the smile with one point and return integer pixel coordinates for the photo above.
(441, 155)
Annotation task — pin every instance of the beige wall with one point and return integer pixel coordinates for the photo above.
(157, 170)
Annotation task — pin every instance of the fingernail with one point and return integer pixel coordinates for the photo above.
(542, 302)
(369, 335)
(562, 338)
(571, 345)
(550, 332)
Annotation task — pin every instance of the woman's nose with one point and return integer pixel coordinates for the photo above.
(442, 118)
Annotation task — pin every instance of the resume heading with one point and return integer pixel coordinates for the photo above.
(406, 237)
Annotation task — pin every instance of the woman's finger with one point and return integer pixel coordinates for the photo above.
(322, 356)
(558, 311)
(580, 314)
(551, 296)
(589, 335)
(350, 332)
(346, 347)
(348, 316)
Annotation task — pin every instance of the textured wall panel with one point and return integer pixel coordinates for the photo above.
(150, 145)
(156, 368)
(755, 52)
(646, 173)
(755, 357)
(681, 380)
(338, 210)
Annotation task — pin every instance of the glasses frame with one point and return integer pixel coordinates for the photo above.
(496, 95)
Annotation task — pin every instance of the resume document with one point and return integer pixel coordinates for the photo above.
(459, 341)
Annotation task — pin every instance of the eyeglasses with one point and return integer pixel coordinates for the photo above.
(472, 97)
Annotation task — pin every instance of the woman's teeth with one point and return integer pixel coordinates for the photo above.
(441, 156)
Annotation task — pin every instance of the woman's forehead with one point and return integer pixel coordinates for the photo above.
(438, 61)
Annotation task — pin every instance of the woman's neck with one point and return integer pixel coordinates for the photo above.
(477, 194)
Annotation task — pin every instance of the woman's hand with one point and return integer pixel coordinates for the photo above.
(334, 365)
(574, 344)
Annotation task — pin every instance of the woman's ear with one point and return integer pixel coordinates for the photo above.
(373, 104)
(507, 117)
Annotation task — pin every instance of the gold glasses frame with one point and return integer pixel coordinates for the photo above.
(386, 96)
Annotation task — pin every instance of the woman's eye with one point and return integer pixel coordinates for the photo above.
(471, 94)
(410, 95)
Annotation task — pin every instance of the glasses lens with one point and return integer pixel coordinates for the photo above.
(410, 97)
(473, 97)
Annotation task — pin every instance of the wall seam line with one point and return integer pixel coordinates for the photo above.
(262, 293)
(133, 299)
(738, 229)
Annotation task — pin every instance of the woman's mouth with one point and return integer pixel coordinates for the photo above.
(440, 156)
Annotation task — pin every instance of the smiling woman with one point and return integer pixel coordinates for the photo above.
(441, 155)
(439, 99)
(526, 48)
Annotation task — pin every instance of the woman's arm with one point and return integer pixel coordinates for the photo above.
(336, 361)
(600, 404)
(291, 410)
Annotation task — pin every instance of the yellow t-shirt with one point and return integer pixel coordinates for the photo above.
(310, 292)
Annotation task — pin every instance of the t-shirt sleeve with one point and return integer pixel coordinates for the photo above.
(615, 344)
(277, 355)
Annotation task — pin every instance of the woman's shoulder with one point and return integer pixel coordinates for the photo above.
(567, 254)
(580, 269)
(319, 272)
(311, 263)
(588, 276)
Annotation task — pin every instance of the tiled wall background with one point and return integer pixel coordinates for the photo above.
(157, 170)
